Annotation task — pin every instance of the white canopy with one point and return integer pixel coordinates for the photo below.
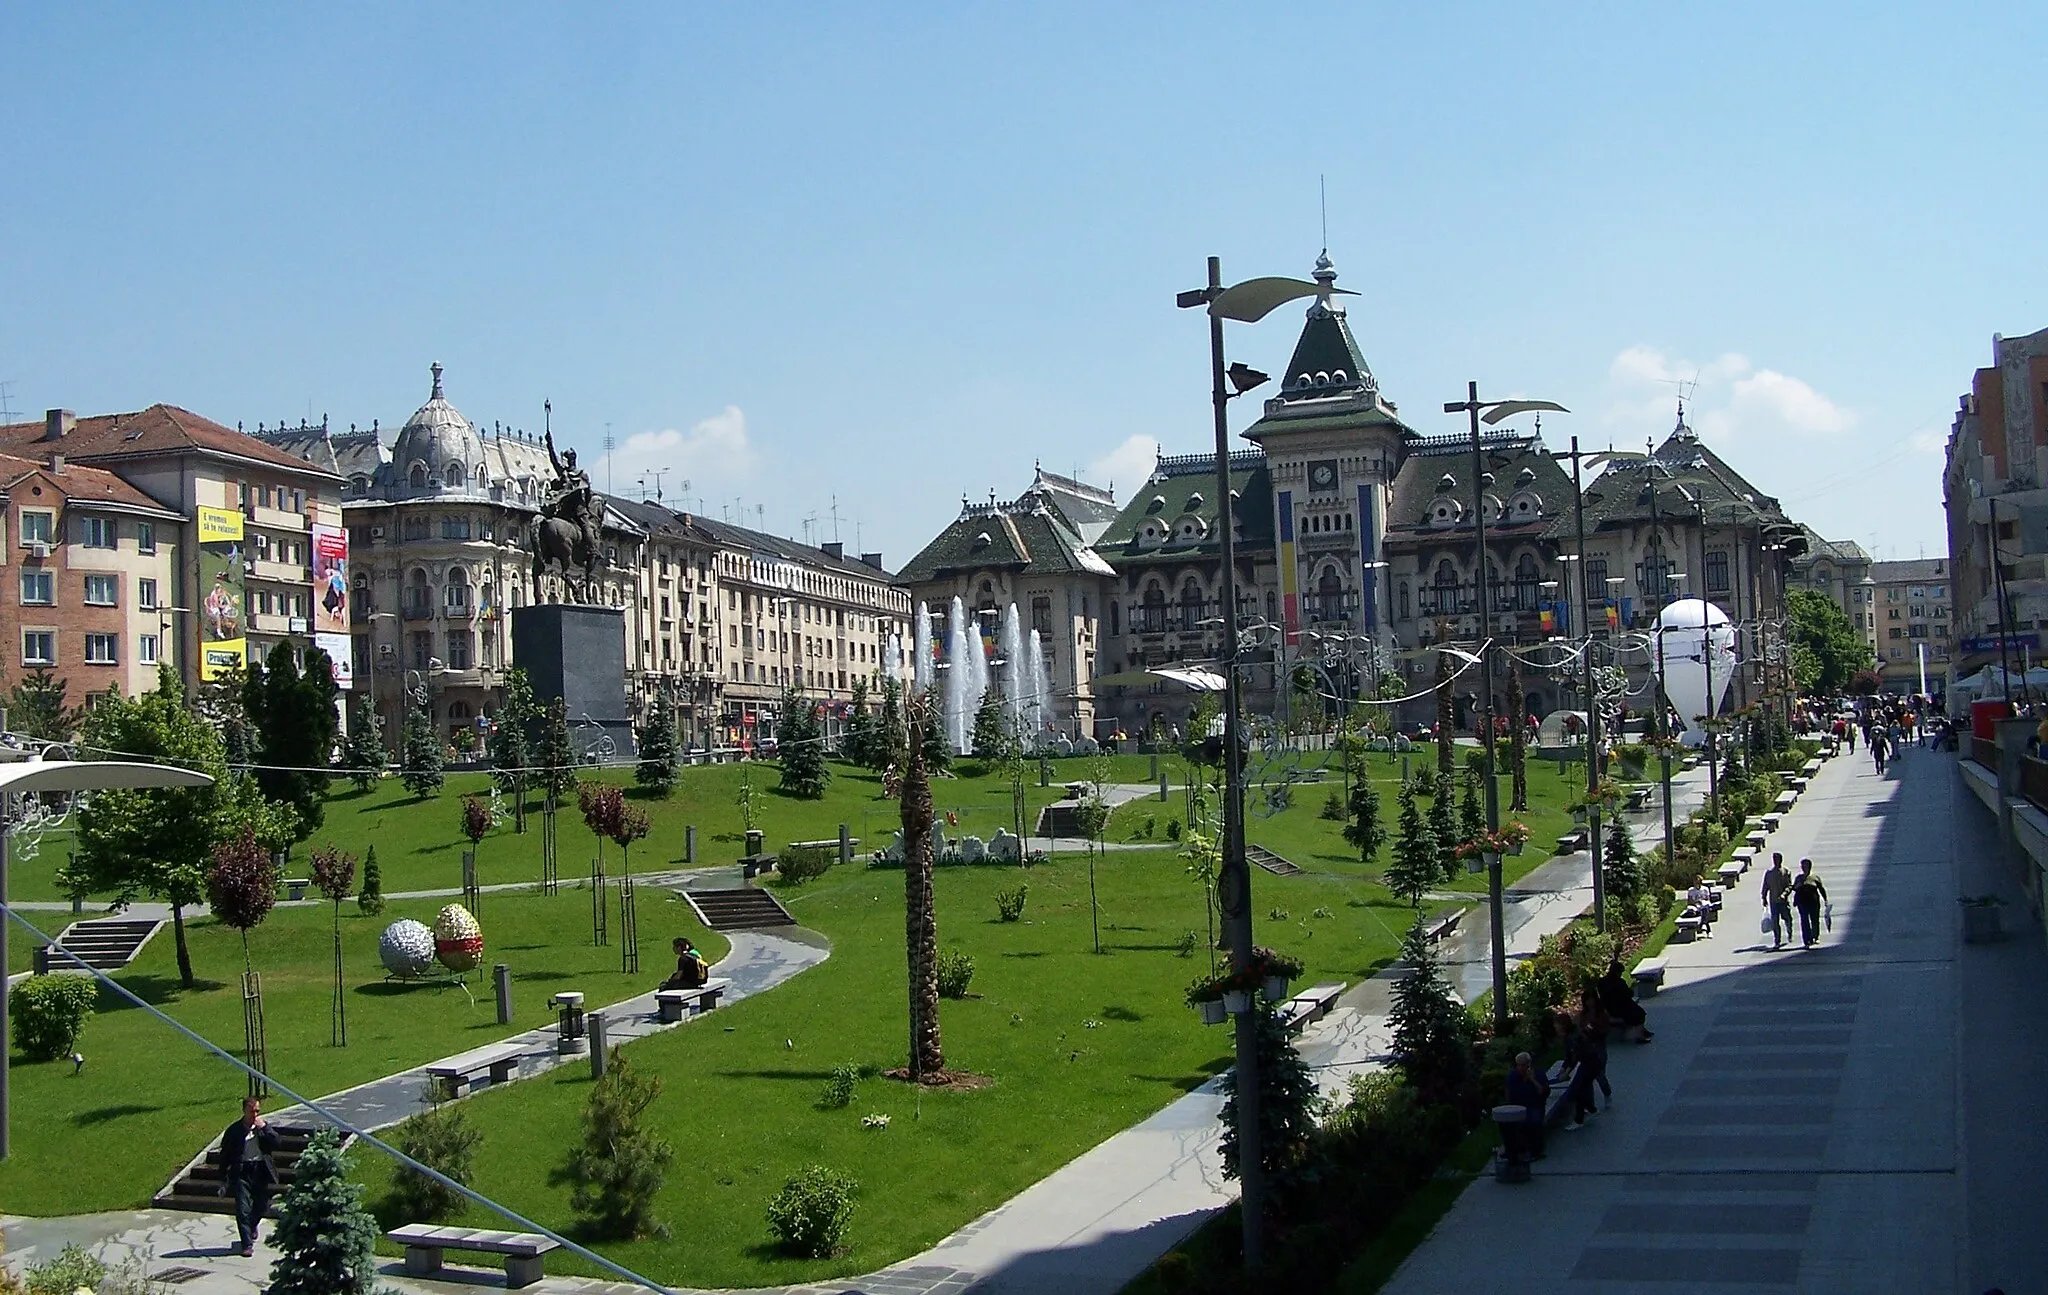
(1996, 681)
(1200, 680)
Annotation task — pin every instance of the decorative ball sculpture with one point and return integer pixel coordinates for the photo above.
(406, 948)
(458, 940)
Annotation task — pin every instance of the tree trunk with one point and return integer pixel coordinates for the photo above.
(1446, 715)
(920, 923)
(184, 952)
(1518, 746)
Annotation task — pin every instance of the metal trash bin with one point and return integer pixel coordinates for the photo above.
(1511, 1162)
(570, 1038)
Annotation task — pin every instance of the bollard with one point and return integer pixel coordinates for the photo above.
(845, 846)
(690, 843)
(1155, 764)
(570, 1037)
(756, 840)
(594, 1021)
(502, 974)
(1163, 794)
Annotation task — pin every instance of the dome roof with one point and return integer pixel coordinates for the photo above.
(437, 435)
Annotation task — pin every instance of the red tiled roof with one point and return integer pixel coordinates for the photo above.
(78, 484)
(159, 429)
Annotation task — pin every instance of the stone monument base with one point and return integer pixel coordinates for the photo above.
(578, 654)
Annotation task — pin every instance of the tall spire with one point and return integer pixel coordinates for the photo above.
(437, 383)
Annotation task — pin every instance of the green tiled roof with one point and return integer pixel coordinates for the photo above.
(1004, 535)
(1183, 488)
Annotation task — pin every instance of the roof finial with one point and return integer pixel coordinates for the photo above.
(437, 383)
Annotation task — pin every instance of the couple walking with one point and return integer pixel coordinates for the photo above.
(1783, 892)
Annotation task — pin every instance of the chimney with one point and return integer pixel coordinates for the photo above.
(874, 560)
(833, 550)
(58, 423)
(57, 465)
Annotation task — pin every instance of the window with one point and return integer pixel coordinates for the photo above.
(455, 528)
(422, 649)
(146, 649)
(101, 591)
(456, 597)
(417, 479)
(1896, 633)
(1717, 572)
(100, 649)
(1596, 579)
(298, 501)
(454, 474)
(145, 537)
(96, 532)
(460, 644)
(38, 647)
(37, 527)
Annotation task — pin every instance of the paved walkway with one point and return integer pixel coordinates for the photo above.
(1861, 1117)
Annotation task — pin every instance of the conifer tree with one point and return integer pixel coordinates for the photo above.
(617, 1171)
(1287, 1102)
(991, 734)
(1471, 817)
(1621, 865)
(294, 720)
(800, 748)
(362, 754)
(1443, 826)
(890, 743)
(856, 744)
(1415, 867)
(370, 896)
(325, 1238)
(512, 743)
(1362, 827)
(657, 742)
(1431, 1030)
(420, 768)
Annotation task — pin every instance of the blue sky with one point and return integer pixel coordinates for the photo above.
(895, 254)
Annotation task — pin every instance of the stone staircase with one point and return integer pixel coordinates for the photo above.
(1061, 818)
(104, 944)
(197, 1189)
(738, 910)
(1271, 862)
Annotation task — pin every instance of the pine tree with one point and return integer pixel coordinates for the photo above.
(1471, 818)
(1363, 828)
(555, 757)
(938, 752)
(991, 734)
(1415, 867)
(890, 743)
(1518, 744)
(856, 745)
(1443, 826)
(512, 743)
(36, 707)
(1431, 1032)
(420, 768)
(293, 716)
(617, 1172)
(1446, 717)
(1287, 1101)
(362, 754)
(325, 1237)
(370, 897)
(657, 741)
(1620, 865)
(800, 748)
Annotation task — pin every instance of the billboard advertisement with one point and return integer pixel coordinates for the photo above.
(340, 650)
(330, 581)
(223, 641)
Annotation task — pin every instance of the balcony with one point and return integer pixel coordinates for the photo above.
(275, 519)
(285, 573)
(418, 612)
(457, 611)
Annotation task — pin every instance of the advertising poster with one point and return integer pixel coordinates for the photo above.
(330, 581)
(223, 642)
(340, 650)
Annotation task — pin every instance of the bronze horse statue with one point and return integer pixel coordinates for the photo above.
(560, 544)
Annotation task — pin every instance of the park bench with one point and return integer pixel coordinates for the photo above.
(1442, 925)
(1649, 976)
(1576, 839)
(753, 865)
(1744, 856)
(1730, 873)
(501, 1059)
(673, 1003)
(1688, 925)
(1785, 801)
(1811, 768)
(1560, 1077)
(1309, 1006)
(1639, 800)
(1756, 838)
(424, 1244)
(295, 887)
(1772, 821)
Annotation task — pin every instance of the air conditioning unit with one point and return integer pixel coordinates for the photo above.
(38, 549)
(376, 532)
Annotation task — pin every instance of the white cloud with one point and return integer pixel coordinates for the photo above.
(1727, 398)
(1128, 466)
(717, 451)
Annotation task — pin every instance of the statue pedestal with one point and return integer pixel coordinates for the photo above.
(578, 654)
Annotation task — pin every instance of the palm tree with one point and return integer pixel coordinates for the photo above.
(920, 923)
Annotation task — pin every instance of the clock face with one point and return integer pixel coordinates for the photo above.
(1323, 475)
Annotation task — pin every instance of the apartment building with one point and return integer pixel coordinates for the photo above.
(1996, 495)
(1910, 604)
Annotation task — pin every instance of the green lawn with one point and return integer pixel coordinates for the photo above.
(111, 1136)
(420, 843)
(1078, 1046)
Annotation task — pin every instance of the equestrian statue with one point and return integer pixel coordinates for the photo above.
(566, 538)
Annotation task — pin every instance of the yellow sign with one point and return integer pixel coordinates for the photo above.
(223, 646)
(217, 524)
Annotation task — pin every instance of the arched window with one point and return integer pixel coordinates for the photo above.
(418, 476)
(1402, 613)
(455, 597)
(1190, 605)
(419, 597)
(1443, 592)
(1151, 618)
(1328, 604)
(459, 710)
(1526, 576)
(453, 476)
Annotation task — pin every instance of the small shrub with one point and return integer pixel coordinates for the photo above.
(618, 1169)
(370, 898)
(956, 969)
(1173, 829)
(810, 1214)
(1333, 807)
(73, 1269)
(50, 1013)
(1185, 946)
(1649, 910)
(1151, 826)
(1175, 1271)
(1279, 915)
(838, 1094)
(799, 864)
(442, 1140)
(1010, 903)
(877, 1121)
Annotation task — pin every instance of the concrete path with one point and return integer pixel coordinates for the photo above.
(1859, 1117)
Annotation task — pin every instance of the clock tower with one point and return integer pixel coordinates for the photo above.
(1333, 445)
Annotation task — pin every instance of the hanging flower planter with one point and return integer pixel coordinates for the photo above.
(1237, 1001)
(1212, 1011)
(1276, 989)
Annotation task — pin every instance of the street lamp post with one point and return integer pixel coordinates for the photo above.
(39, 775)
(1247, 302)
(1495, 410)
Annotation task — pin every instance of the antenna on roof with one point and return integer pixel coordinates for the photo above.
(6, 400)
(607, 458)
(1323, 196)
(835, 519)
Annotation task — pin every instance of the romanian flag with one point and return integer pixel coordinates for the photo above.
(1546, 619)
(1613, 617)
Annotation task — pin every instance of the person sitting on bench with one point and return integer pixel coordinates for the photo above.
(1620, 1002)
(691, 969)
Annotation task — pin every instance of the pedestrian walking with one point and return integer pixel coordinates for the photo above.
(1808, 894)
(1851, 730)
(1578, 1062)
(1777, 897)
(1878, 749)
(1596, 1024)
(248, 1170)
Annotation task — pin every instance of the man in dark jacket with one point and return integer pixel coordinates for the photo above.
(248, 1170)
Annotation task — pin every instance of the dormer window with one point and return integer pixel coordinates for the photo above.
(418, 476)
(454, 475)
